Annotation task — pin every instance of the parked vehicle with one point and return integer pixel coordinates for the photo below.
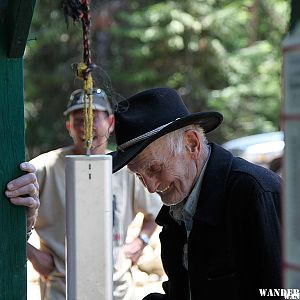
(265, 149)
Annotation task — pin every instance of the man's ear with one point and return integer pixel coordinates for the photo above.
(68, 126)
(111, 121)
(192, 142)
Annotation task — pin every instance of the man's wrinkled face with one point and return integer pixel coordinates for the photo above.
(171, 175)
(103, 125)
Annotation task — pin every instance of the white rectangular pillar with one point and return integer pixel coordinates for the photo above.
(89, 227)
(291, 171)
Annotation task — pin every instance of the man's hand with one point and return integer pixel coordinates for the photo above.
(134, 250)
(42, 261)
(25, 191)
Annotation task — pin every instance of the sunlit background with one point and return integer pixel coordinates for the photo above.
(220, 55)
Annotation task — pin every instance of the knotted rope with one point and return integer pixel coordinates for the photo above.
(79, 11)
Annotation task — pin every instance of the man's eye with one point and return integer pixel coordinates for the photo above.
(155, 168)
(78, 122)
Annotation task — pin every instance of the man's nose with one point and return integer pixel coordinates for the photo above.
(151, 183)
(95, 125)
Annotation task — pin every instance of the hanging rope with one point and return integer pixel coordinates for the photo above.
(79, 11)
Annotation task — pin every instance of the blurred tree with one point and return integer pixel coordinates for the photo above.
(219, 54)
(49, 77)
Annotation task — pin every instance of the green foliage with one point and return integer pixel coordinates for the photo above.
(222, 55)
(219, 54)
(48, 76)
(251, 102)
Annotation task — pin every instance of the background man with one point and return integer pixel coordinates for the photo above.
(220, 218)
(129, 197)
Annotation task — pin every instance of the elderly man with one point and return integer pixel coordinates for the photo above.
(220, 218)
(24, 191)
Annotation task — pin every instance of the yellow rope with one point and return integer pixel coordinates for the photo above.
(88, 109)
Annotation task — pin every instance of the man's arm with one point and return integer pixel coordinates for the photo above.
(42, 261)
(135, 249)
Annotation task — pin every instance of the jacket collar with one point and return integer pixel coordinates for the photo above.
(212, 194)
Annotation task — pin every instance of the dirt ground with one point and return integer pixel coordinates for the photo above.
(148, 274)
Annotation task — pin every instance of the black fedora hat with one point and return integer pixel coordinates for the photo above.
(148, 115)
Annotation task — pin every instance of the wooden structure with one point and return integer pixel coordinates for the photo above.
(15, 19)
(291, 125)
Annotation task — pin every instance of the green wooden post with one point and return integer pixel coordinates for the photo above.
(15, 19)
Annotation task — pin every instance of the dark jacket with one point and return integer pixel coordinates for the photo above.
(234, 246)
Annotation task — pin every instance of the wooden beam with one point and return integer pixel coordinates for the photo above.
(19, 18)
(13, 273)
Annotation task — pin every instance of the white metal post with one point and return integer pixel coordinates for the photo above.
(89, 227)
(291, 187)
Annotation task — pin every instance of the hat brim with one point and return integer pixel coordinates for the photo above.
(207, 120)
(81, 106)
